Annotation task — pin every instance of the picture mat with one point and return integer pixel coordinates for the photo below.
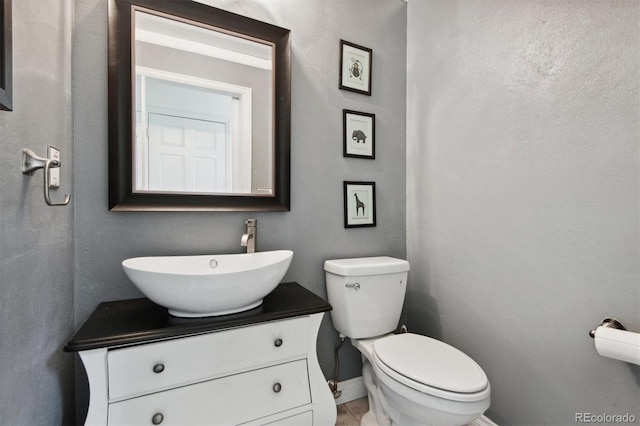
(354, 145)
(360, 211)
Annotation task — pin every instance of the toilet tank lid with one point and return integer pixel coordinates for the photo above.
(366, 266)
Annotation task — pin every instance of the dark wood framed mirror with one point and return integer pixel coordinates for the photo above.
(6, 73)
(199, 109)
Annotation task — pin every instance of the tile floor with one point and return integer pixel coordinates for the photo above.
(350, 413)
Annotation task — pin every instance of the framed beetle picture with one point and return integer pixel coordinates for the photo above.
(359, 204)
(359, 134)
(6, 98)
(355, 67)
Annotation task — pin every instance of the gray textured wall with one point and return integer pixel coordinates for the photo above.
(314, 227)
(36, 289)
(523, 187)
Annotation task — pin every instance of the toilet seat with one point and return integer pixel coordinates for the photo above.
(430, 366)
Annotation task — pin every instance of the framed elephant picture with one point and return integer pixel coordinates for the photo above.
(359, 137)
(359, 204)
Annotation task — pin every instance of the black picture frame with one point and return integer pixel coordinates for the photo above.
(356, 64)
(6, 53)
(359, 204)
(359, 134)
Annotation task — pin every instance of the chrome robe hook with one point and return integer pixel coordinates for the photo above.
(32, 162)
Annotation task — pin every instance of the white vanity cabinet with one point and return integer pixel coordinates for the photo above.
(257, 373)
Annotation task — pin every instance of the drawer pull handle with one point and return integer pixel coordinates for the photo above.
(157, 418)
(278, 343)
(277, 387)
(158, 368)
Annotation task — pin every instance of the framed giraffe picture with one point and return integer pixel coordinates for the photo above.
(359, 134)
(359, 204)
(355, 68)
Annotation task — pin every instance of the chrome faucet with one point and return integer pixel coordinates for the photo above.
(248, 240)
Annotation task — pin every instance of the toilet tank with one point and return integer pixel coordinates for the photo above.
(366, 294)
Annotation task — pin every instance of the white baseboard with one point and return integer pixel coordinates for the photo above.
(351, 389)
(483, 421)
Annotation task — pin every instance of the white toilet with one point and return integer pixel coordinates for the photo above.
(410, 379)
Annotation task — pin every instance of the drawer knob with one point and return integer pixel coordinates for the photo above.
(157, 418)
(278, 343)
(158, 368)
(277, 387)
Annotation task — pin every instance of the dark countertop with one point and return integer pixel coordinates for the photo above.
(126, 322)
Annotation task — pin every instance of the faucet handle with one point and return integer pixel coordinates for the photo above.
(249, 238)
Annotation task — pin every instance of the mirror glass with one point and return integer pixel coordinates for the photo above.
(196, 89)
(207, 96)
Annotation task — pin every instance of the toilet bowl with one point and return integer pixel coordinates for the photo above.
(418, 380)
(410, 379)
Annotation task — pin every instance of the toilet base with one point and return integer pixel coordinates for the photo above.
(369, 419)
(387, 407)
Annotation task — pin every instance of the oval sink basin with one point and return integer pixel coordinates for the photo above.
(208, 285)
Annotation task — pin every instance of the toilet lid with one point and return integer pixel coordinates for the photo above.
(430, 362)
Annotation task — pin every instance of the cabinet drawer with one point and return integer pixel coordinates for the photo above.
(158, 366)
(225, 401)
(301, 419)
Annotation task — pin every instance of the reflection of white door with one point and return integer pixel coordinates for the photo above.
(187, 154)
(163, 96)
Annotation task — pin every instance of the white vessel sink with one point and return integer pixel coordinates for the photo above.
(208, 285)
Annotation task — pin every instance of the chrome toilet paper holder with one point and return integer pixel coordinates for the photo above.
(610, 323)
